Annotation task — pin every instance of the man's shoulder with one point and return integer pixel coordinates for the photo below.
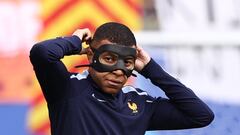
(128, 89)
(137, 94)
(79, 76)
(79, 80)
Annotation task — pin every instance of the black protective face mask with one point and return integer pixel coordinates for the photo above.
(110, 57)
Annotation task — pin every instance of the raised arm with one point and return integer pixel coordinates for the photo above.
(50, 71)
(182, 110)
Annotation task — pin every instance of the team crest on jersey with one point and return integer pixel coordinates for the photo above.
(133, 107)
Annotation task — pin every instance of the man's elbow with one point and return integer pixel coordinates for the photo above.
(205, 119)
(210, 118)
(37, 52)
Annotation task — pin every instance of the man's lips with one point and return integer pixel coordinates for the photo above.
(114, 82)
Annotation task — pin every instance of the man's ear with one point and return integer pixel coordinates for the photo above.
(89, 54)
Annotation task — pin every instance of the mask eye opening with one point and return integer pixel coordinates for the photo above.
(108, 58)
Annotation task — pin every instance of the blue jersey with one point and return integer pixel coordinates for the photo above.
(77, 106)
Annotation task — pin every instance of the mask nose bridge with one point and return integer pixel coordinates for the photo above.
(121, 65)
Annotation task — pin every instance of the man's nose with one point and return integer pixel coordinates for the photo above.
(118, 72)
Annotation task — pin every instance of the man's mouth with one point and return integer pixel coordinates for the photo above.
(113, 82)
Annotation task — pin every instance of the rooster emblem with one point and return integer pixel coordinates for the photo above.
(133, 107)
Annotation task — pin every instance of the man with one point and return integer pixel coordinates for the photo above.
(97, 102)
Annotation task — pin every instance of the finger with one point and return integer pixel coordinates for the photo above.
(87, 40)
(139, 48)
(87, 34)
(83, 34)
(139, 51)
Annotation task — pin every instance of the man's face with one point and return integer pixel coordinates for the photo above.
(109, 82)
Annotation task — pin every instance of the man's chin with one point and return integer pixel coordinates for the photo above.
(112, 91)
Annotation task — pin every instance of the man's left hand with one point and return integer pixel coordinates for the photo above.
(142, 59)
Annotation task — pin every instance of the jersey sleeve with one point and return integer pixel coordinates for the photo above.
(50, 71)
(182, 110)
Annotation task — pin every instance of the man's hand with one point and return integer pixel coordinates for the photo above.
(142, 59)
(85, 36)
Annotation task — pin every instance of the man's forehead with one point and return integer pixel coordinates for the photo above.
(106, 41)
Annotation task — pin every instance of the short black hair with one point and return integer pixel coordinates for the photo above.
(115, 32)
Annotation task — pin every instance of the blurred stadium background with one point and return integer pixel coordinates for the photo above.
(197, 41)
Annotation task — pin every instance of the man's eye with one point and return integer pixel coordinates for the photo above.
(109, 59)
(129, 63)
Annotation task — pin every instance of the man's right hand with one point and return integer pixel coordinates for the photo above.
(85, 35)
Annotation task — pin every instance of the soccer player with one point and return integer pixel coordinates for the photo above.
(96, 102)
